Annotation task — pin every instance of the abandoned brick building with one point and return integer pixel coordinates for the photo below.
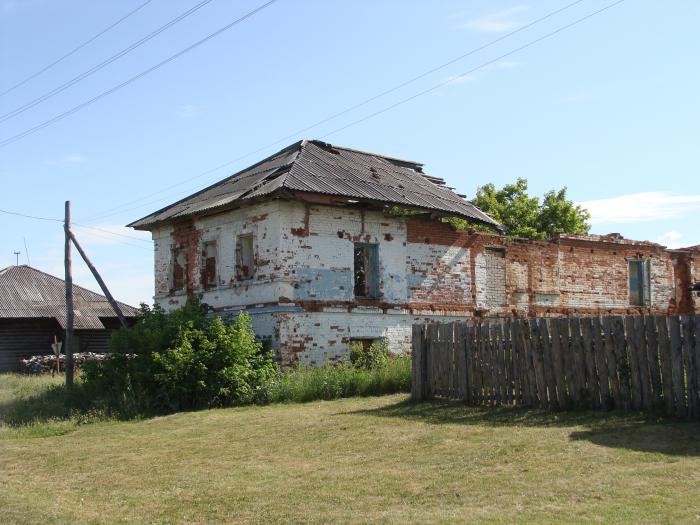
(309, 243)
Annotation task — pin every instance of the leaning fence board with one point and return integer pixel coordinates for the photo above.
(677, 364)
(471, 365)
(666, 363)
(517, 370)
(645, 337)
(529, 367)
(547, 361)
(623, 368)
(557, 364)
(601, 362)
(589, 359)
(417, 363)
(508, 356)
(696, 338)
(689, 365)
(653, 361)
(632, 356)
(478, 364)
(578, 373)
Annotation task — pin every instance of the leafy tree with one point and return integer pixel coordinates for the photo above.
(525, 216)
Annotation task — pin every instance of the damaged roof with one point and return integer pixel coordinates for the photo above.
(28, 293)
(312, 166)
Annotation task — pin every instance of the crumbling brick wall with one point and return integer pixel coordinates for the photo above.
(301, 292)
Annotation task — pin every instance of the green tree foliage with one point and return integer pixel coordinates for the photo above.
(528, 217)
(182, 360)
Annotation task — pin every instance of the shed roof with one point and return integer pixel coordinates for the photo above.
(312, 166)
(26, 292)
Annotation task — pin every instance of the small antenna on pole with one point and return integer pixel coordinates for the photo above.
(17, 258)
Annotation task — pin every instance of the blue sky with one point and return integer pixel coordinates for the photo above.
(608, 108)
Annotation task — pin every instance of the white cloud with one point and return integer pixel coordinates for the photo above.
(641, 207)
(671, 239)
(498, 22)
(189, 110)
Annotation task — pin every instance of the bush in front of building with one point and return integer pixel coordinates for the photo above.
(181, 360)
(375, 355)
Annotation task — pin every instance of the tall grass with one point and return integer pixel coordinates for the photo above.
(41, 404)
(299, 385)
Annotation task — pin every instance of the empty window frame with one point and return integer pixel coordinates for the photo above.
(245, 257)
(178, 269)
(639, 272)
(208, 265)
(366, 270)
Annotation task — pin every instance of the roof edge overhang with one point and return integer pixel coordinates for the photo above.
(328, 199)
(148, 226)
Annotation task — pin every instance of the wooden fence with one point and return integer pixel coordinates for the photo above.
(641, 363)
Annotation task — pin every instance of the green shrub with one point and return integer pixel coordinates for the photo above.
(182, 360)
(375, 356)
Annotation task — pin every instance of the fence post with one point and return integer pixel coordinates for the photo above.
(419, 364)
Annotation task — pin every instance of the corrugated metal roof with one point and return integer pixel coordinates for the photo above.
(26, 292)
(317, 167)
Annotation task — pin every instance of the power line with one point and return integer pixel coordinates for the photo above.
(102, 64)
(412, 97)
(94, 228)
(75, 50)
(481, 66)
(30, 216)
(352, 107)
(77, 108)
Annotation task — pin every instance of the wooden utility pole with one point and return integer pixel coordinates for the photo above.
(99, 280)
(69, 300)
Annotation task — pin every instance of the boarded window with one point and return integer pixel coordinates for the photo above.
(208, 265)
(178, 269)
(495, 262)
(639, 289)
(245, 254)
(366, 270)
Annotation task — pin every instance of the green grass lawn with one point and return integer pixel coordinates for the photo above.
(360, 460)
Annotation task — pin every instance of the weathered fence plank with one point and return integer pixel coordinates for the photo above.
(674, 323)
(549, 376)
(632, 355)
(666, 363)
(612, 362)
(645, 333)
(517, 369)
(690, 365)
(418, 368)
(589, 358)
(644, 363)
(578, 372)
(623, 368)
(653, 361)
(558, 364)
(601, 362)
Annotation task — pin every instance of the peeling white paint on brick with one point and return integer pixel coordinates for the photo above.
(301, 295)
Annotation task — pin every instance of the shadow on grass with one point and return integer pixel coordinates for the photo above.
(53, 404)
(632, 431)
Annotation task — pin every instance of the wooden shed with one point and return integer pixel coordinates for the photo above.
(33, 313)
